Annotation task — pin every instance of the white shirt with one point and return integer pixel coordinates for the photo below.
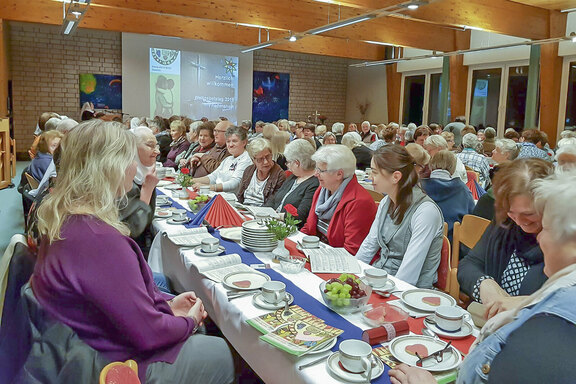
(229, 172)
(460, 171)
(254, 194)
(425, 225)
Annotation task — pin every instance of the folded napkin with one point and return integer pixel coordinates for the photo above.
(222, 213)
(199, 217)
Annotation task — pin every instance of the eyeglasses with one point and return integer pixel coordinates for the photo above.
(438, 355)
(260, 160)
(219, 131)
(321, 171)
(153, 147)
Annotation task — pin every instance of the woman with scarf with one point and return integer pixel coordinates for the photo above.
(341, 208)
(507, 261)
(534, 341)
(408, 226)
(179, 143)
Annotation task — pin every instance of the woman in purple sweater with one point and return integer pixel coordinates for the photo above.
(91, 276)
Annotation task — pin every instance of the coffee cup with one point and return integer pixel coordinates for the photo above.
(204, 189)
(449, 318)
(376, 277)
(309, 242)
(179, 215)
(273, 292)
(356, 357)
(210, 244)
(160, 172)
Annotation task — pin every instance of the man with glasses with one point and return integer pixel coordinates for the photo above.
(206, 163)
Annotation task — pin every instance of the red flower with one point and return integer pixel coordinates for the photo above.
(185, 171)
(291, 210)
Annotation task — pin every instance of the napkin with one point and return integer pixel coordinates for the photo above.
(199, 217)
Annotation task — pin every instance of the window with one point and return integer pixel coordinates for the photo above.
(570, 117)
(414, 87)
(485, 99)
(516, 97)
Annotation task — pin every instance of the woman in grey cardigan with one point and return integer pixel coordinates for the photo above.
(407, 229)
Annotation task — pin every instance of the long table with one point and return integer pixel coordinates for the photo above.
(271, 364)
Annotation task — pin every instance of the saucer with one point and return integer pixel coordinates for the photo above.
(389, 286)
(260, 302)
(298, 247)
(177, 222)
(162, 214)
(463, 332)
(334, 368)
(199, 252)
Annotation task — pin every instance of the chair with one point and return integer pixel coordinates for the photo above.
(444, 278)
(120, 373)
(445, 229)
(468, 233)
(31, 181)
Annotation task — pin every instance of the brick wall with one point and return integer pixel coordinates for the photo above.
(316, 82)
(45, 66)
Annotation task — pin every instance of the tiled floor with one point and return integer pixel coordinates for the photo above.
(11, 217)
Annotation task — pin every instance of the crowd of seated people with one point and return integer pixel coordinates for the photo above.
(295, 167)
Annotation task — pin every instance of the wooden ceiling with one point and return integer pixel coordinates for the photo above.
(439, 25)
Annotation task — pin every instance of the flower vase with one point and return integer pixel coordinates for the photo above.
(280, 252)
(183, 194)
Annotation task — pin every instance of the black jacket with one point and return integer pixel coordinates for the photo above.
(300, 198)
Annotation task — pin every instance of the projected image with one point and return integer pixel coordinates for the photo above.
(193, 84)
(270, 98)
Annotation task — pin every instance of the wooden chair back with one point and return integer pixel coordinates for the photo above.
(443, 282)
(31, 181)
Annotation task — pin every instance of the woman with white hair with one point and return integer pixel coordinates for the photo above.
(366, 135)
(472, 159)
(91, 277)
(262, 179)
(320, 132)
(329, 138)
(407, 230)
(227, 177)
(179, 143)
(298, 189)
(338, 130)
(566, 156)
(436, 143)
(341, 207)
(362, 153)
(504, 352)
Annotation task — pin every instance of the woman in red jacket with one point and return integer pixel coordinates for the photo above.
(342, 210)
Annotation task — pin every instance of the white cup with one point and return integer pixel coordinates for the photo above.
(204, 189)
(160, 172)
(310, 242)
(449, 318)
(273, 292)
(179, 215)
(356, 357)
(376, 277)
(210, 244)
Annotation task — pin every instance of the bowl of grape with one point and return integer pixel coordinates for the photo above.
(345, 294)
(198, 203)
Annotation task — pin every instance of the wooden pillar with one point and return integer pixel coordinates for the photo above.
(393, 86)
(532, 88)
(4, 73)
(445, 91)
(458, 84)
(550, 79)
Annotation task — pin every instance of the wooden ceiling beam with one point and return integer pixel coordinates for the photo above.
(499, 16)
(125, 20)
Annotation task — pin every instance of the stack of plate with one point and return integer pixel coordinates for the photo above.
(256, 238)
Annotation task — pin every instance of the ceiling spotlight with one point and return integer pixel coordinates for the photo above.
(293, 38)
(412, 6)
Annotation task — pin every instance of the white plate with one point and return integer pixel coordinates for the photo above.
(256, 280)
(259, 301)
(258, 249)
(388, 286)
(174, 222)
(451, 359)
(163, 183)
(234, 233)
(325, 348)
(463, 332)
(413, 298)
(199, 252)
(334, 368)
(167, 214)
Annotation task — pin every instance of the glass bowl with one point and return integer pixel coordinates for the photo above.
(383, 313)
(346, 305)
(292, 264)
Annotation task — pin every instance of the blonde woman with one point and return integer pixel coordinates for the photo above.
(91, 276)
(278, 144)
(179, 143)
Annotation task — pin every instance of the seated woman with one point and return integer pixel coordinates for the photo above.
(341, 208)
(91, 276)
(179, 143)
(48, 143)
(408, 226)
(451, 194)
(204, 163)
(362, 153)
(278, 144)
(262, 179)
(226, 178)
(205, 143)
(544, 321)
(298, 190)
(507, 260)
(329, 138)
